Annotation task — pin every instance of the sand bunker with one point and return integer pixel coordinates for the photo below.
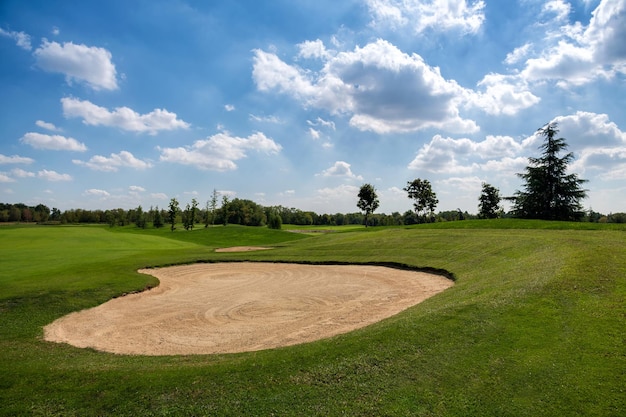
(237, 307)
(242, 249)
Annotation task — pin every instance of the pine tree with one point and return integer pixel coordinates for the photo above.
(550, 193)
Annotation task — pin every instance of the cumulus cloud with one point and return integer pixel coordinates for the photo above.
(96, 192)
(53, 176)
(15, 159)
(576, 55)
(122, 117)
(341, 169)
(114, 162)
(5, 178)
(219, 152)
(502, 95)
(518, 54)
(313, 49)
(465, 156)
(52, 142)
(47, 126)
(383, 89)
(21, 39)
(20, 173)
(85, 64)
(136, 189)
(422, 15)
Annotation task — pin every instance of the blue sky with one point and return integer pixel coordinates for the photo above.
(298, 103)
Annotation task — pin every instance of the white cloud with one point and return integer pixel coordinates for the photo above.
(322, 123)
(53, 176)
(97, 193)
(229, 107)
(315, 134)
(586, 129)
(576, 55)
(122, 117)
(52, 142)
(341, 169)
(47, 126)
(423, 15)
(21, 39)
(518, 54)
(136, 189)
(383, 89)
(464, 156)
(15, 159)
(20, 173)
(159, 196)
(91, 65)
(219, 152)
(559, 8)
(609, 163)
(114, 162)
(5, 178)
(265, 119)
(313, 49)
(503, 95)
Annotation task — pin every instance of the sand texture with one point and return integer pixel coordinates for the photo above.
(244, 306)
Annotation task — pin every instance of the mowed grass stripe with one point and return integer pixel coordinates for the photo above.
(533, 326)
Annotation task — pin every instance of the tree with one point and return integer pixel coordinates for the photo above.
(274, 221)
(172, 213)
(157, 220)
(368, 200)
(140, 218)
(550, 193)
(212, 205)
(425, 199)
(189, 215)
(489, 202)
(224, 209)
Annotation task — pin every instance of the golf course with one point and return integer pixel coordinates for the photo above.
(532, 323)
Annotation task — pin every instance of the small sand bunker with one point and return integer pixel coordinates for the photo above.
(237, 307)
(242, 249)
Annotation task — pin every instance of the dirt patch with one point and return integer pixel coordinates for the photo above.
(242, 249)
(244, 306)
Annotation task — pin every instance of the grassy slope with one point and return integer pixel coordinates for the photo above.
(533, 326)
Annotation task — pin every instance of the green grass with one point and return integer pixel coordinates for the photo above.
(533, 326)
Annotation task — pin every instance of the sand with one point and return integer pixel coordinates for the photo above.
(244, 306)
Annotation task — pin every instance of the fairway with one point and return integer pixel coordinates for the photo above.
(237, 307)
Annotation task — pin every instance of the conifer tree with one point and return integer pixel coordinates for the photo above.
(550, 193)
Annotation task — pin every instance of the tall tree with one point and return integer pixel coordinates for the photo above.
(172, 213)
(368, 200)
(157, 220)
(489, 202)
(550, 193)
(425, 198)
(212, 205)
(225, 208)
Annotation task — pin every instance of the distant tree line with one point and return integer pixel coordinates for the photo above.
(239, 211)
